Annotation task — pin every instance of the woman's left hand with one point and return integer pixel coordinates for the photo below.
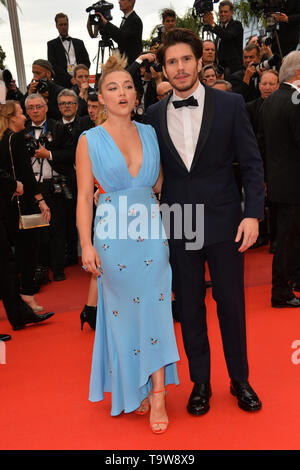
(45, 210)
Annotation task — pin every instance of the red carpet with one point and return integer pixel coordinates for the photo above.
(44, 383)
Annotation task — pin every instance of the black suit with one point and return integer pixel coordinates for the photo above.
(128, 37)
(58, 58)
(61, 145)
(249, 92)
(229, 46)
(288, 33)
(146, 91)
(280, 134)
(211, 182)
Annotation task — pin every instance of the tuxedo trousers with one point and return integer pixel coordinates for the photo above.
(226, 268)
(286, 260)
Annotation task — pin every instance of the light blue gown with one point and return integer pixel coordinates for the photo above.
(134, 331)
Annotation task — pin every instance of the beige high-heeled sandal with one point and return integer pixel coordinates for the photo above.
(158, 431)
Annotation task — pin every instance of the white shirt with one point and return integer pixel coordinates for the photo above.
(184, 125)
(70, 52)
(47, 171)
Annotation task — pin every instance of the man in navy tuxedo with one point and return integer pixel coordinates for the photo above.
(64, 53)
(201, 131)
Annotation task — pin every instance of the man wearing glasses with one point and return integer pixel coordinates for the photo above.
(52, 162)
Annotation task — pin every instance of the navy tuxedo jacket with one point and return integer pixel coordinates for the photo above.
(226, 136)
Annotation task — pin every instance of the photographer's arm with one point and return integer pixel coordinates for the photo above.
(233, 31)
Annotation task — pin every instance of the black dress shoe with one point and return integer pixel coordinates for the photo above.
(5, 337)
(59, 276)
(292, 303)
(198, 403)
(33, 318)
(247, 398)
(296, 286)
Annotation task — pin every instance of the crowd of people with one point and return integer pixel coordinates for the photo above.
(252, 89)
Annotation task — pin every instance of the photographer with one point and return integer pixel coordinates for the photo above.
(51, 149)
(11, 91)
(288, 21)
(229, 43)
(64, 53)
(146, 78)
(43, 84)
(246, 81)
(82, 87)
(168, 22)
(128, 36)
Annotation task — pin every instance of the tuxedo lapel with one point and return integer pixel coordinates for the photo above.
(208, 114)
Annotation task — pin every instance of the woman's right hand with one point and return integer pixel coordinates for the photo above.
(19, 189)
(90, 260)
(45, 210)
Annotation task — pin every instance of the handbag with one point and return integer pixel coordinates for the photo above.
(26, 221)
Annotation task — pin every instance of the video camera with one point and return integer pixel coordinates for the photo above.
(43, 86)
(102, 7)
(59, 185)
(201, 7)
(267, 6)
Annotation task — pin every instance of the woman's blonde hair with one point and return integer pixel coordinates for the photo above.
(115, 63)
(7, 110)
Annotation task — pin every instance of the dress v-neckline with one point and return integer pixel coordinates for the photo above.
(121, 154)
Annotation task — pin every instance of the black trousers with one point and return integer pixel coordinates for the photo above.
(53, 238)
(226, 267)
(16, 310)
(286, 260)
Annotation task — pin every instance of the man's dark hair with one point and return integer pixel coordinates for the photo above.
(176, 36)
(59, 16)
(167, 12)
(92, 97)
(252, 46)
(226, 3)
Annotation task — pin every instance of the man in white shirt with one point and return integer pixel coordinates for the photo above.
(198, 143)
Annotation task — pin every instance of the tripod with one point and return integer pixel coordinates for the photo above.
(103, 44)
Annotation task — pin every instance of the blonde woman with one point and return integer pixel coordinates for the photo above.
(135, 350)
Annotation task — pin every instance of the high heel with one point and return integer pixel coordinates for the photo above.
(88, 315)
(153, 423)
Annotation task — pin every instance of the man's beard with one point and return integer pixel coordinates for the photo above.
(185, 87)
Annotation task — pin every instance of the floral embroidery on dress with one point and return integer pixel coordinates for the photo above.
(154, 341)
(105, 247)
(140, 239)
(116, 313)
(136, 300)
(136, 351)
(162, 297)
(121, 266)
(148, 261)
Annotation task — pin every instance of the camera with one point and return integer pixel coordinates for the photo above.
(201, 7)
(59, 185)
(268, 64)
(33, 144)
(157, 67)
(102, 7)
(43, 85)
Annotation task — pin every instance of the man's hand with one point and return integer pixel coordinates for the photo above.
(83, 90)
(32, 86)
(148, 56)
(280, 17)
(103, 20)
(249, 72)
(248, 229)
(42, 152)
(208, 18)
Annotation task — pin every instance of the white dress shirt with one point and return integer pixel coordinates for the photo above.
(184, 125)
(70, 54)
(41, 166)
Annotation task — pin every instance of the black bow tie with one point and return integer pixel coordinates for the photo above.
(37, 127)
(66, 39)
(191, 101)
